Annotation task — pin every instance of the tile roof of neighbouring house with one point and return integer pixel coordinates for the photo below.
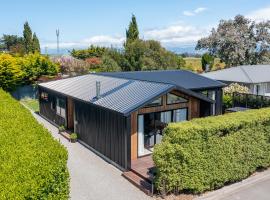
(181, 78)
(117, 94)
(242, 74)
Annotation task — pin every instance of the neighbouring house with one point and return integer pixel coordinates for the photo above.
(255, 77)
(121, 115)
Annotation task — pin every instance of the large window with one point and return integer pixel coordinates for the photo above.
(61, 107)
(173, 98)
(151, 125)
(156, 102)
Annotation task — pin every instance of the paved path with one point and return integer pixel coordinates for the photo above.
(92, 178)
(256, 187)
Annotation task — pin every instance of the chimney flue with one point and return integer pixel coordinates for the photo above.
(97, 89)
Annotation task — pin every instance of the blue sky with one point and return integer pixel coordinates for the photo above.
(174, 23)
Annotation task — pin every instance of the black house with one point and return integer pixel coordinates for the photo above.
(121, 115)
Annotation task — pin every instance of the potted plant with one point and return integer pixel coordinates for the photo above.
(73, 137)
(61, 129)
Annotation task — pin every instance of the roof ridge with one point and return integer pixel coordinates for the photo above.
(244, 71)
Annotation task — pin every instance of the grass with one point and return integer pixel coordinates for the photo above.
(32, 104)
(196, 65)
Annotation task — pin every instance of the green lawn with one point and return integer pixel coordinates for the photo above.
(31, 104)
(196, 65)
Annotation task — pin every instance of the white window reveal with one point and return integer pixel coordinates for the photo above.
(61, 107)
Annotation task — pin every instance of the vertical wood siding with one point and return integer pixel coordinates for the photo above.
(46, 107)
(103, 130)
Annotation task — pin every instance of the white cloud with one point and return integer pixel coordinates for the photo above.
(188, 13)
(199, 10)
(100, 40)
(173, 35)
(194, 12)
(260, 15)
(178, 34)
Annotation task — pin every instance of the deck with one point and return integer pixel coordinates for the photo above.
(143, 166)
(140, 174)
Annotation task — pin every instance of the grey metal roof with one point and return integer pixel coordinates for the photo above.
(242, 74)
(180, 78)
(120, 95)
(117, 94)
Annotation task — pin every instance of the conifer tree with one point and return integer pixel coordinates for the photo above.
(132, 33)
(35, 44)
(27, 38)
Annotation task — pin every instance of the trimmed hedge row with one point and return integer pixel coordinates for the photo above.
(207, 153)
(32, 164)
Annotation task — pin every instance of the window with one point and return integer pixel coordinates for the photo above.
(173, 98)
(180, 115)
(53, 104)
(156, 102)
(61, 107)
(44, 96)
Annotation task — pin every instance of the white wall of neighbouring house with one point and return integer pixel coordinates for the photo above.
(260, 89)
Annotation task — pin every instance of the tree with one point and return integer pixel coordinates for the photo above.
(28, 38)
(207, 59)
(12, 44)
(109, 64)
(10, 72)
(35, 44)
(238, 41)
(133, 32)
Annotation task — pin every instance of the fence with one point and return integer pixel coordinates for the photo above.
(250, 100)
(26, 91)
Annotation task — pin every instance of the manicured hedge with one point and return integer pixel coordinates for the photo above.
(32, 164)
(207, 153)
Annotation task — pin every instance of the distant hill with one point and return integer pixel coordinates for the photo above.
(190, 49)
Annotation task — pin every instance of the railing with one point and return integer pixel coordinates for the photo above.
(250, 100)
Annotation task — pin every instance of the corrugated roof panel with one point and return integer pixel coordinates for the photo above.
(181, 78)
(242, 74)
(117, 94)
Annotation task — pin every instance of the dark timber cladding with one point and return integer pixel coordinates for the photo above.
(103, 130)
(48, 106)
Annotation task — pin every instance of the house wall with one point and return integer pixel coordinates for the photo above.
(104, 131)
(193, 106)
(46, 109)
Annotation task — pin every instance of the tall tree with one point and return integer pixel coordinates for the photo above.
(207, 59)
(28, 38)
(239, 41)
(35, 44)
(133, 32)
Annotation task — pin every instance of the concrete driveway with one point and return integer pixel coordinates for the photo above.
(92, 178)
(256, 187)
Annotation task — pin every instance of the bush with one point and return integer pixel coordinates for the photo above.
(227, 101)
(16, 70)
(207, 153)
(32, 164)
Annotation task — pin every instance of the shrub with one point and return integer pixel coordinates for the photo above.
(235, 87)
(32, 164)
(16, 70)
(207, 153)
(73, 136)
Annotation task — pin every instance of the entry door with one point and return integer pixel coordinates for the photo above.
(70, 113)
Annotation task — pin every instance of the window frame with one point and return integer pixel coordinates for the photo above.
(62, 109)
(44, 96)
(170, 93)
(149, 105)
